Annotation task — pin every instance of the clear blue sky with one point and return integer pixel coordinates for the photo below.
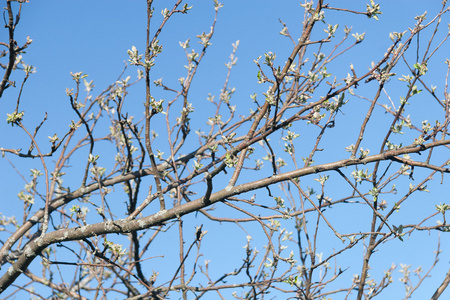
(94, 36)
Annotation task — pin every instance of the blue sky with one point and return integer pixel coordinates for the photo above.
(94, 36)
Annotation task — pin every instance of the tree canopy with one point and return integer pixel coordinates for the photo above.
(315, 167)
